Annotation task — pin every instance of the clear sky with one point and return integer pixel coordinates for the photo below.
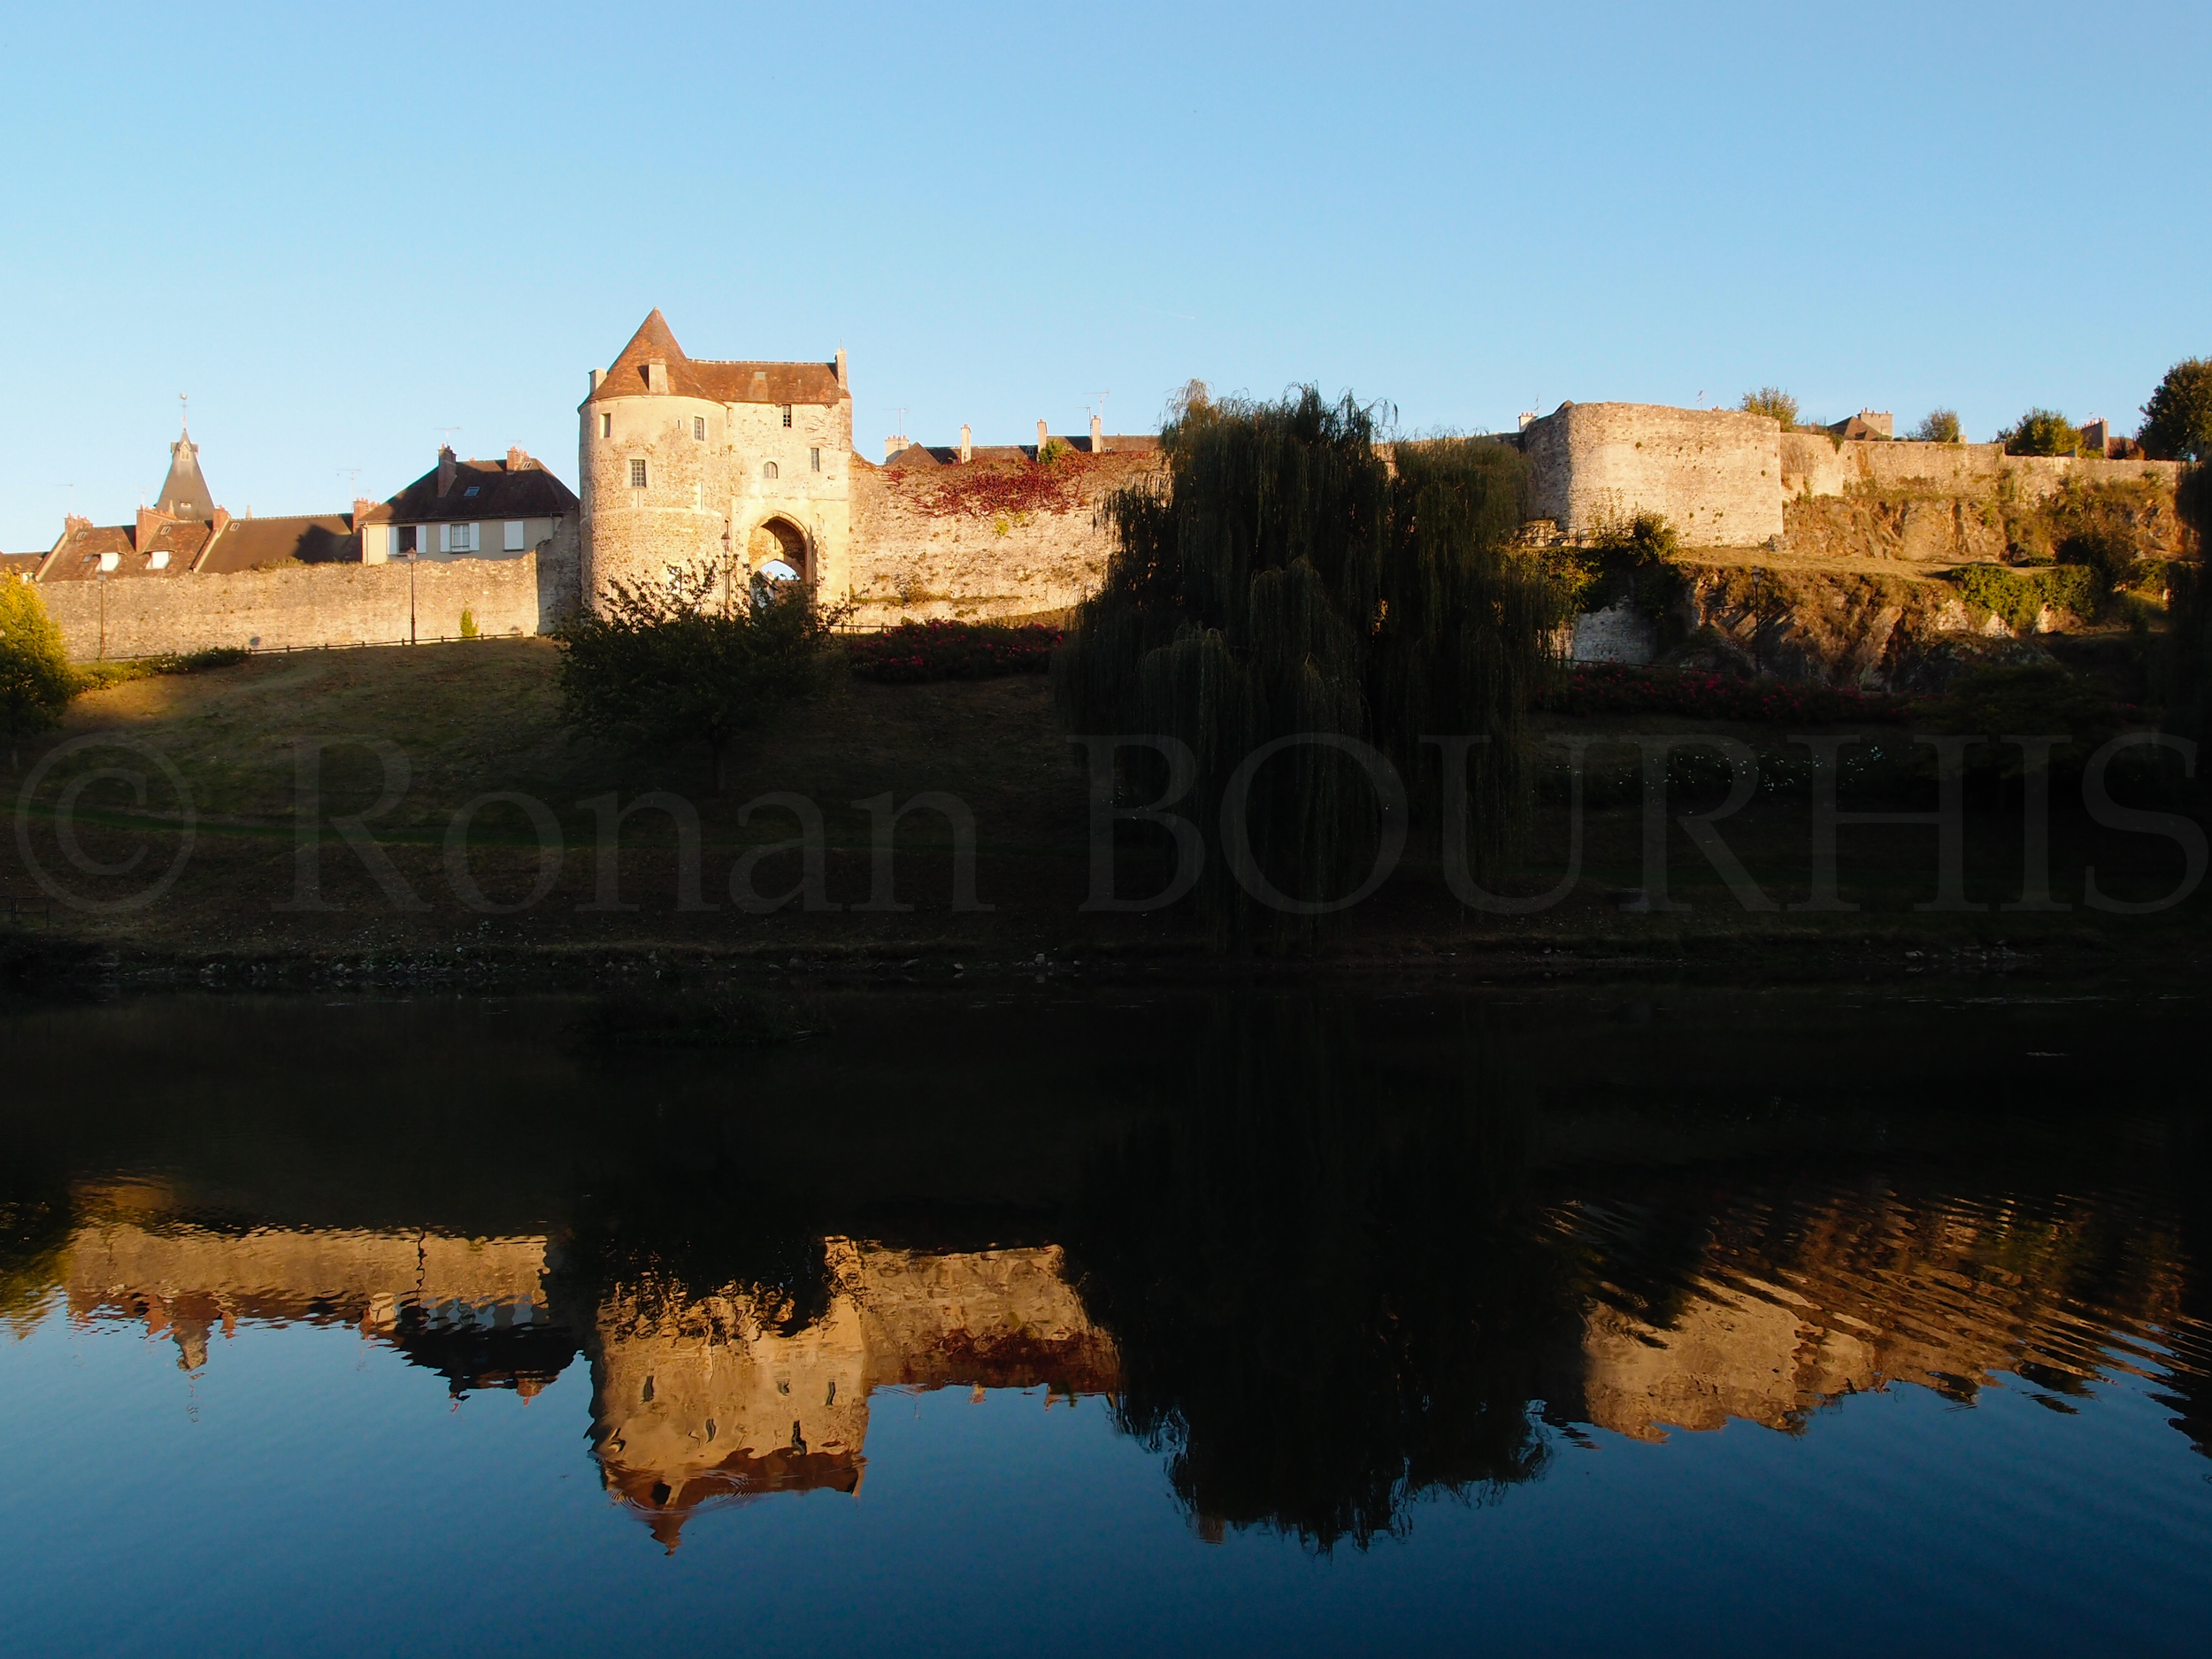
(340, 229)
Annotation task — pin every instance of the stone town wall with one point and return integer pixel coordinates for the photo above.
(308, 605)
(1815, 464)
(918, 555)
(1715, 474)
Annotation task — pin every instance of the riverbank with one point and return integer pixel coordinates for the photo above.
(324, 789)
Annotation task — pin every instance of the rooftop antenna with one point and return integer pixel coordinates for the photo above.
(445, 436)
(353, 472)
(1102, 396)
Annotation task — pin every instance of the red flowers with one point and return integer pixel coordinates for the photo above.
(1614, 688)
(916, 651)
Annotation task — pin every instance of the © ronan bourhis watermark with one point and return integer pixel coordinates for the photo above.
(133, 794)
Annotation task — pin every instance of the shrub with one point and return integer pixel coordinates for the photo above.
(916, 651)
(1938, 426)
(121, 671)
(2035, 699)
(2177, 421)
(468, 624)
(35, 681)
(2019, 596)
(1631, 559)
(1771, 400)
(661, 662)
(2041, 432)
(1614, 688)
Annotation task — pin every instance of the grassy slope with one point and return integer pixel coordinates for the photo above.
(482, 716)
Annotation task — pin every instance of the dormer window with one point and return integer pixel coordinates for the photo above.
(699, 429)
(109, 561)
(769, 471)
(787, 414)
(158, 560)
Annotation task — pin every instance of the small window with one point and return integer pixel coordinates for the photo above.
(606, 426)
(470, 490)
(158, 560)
(787, 414)
(407, 538)
(109, 561)
(699, 429)
(814, 459)
(769, 471)
(510, 541)
(637, 475)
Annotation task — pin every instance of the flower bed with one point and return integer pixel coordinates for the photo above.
(1616, 688)
(916, 651)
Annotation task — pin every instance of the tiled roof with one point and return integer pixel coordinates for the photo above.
(718, 382)
(524, 491)
(79, 557)
(184, 491)
(20, 564)
(257, 544)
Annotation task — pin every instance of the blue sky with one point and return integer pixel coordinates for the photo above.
(342, 229)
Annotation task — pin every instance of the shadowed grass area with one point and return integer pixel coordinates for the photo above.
(479, 718)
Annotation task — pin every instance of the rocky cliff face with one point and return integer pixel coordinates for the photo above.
(1841, 627)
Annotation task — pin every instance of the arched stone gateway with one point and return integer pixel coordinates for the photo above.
(778, 541)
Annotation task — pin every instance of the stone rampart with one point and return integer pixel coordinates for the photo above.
(1814, 464)
(1715, 474)
(308, 605)
(925, 546)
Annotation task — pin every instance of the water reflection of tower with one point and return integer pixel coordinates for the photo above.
(701, 1399)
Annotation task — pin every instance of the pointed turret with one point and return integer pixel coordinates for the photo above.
(650, 363)
(184, 493)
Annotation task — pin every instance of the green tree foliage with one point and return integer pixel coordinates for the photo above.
(2041, 432)
(1281, 577)
(1771, 400)
(1938, 426)
(1632, 560)
(2177, 421)
(679, 661)
(2184, 663)
(35, 681)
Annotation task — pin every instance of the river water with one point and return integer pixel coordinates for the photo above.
(1029, 1318)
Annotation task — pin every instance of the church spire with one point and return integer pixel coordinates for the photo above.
(184, 493)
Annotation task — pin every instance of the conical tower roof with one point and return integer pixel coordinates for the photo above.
(184, 493)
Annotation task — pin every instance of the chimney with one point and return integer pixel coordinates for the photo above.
(361, 506)
(1528, 415)
(841, 385)
(516, 459)
(1040, 439)
(967, 444)
(1098, 436)
(446, 468)
(656, 375)
(73, 522)
(597, 375)
(222, 521)
(149, 523)
(893, 445)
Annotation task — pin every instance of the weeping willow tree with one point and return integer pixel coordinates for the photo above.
(1283, 576)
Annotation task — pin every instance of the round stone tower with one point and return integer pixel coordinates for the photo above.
(727, 467)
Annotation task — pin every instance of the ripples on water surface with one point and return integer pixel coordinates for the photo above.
(1651, 1321)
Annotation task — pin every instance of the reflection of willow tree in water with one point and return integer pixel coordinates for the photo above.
(1321, 1278)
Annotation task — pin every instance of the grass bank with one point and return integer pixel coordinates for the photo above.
(471, 730)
